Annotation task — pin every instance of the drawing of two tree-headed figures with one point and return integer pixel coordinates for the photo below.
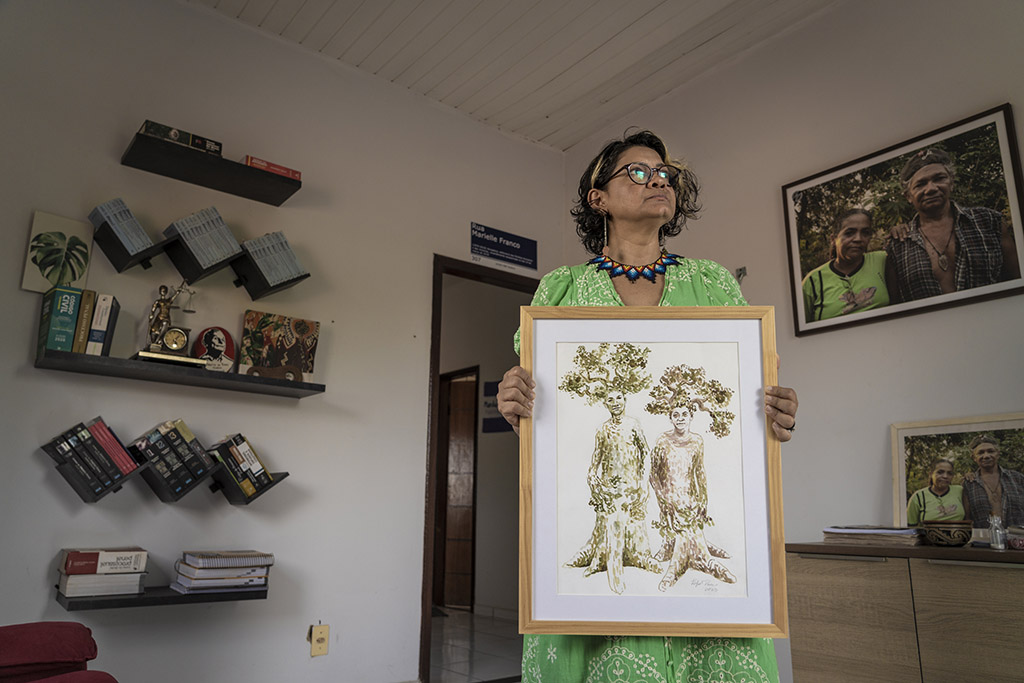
(620, 469)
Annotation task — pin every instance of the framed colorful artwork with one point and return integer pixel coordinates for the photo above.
(941, 469)
(926, 223)
(650, 481)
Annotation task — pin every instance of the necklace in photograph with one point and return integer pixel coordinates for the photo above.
(633, 273)
(943, 261)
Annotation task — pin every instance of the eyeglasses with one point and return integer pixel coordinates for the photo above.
(641, 174)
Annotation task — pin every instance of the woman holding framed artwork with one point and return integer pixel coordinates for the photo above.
(633, 196)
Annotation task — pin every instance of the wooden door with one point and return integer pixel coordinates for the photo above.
(455, 512)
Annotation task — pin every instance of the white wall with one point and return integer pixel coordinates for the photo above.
(388, 180)
(850, 81)
(478, 321)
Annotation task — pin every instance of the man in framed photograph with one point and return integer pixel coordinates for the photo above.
(992, 489)
(946, 247)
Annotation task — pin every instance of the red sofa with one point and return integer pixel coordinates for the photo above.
(50, 651)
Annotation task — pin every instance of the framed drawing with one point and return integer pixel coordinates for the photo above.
(650, 482)
(939, 453)
(929, 222)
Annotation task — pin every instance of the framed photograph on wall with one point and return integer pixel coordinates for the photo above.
(926, 223)
(650, 481)
(937, 467)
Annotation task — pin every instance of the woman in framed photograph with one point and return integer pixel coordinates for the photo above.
(853, 279)
(941, 500)
(631, 198)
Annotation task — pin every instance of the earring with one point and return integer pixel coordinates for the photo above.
(604, 251)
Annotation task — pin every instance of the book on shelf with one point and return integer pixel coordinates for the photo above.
(128, 560)
(249, 160)
(58, 319)
(220, 572)
(867, 534)
(206, 236)
(226, 453)
(85, 585)
(278, 346)
(104, 319)
(223, 582)
(256, 470)
(72, 468)
(123, 223)
(274, 257)
(196, 465)
(85, 309)
(86, 457)
(192, 442)
(90, 444)
(111, 444)
(181, 137)
(185, 590)
(203, 559)
(152, 448)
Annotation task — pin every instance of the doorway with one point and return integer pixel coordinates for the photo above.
(454, 272)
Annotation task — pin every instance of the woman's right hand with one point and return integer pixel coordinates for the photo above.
(515, 396)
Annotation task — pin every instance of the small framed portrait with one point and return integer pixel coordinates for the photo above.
(930, 222)
(649, 477)
(216, 347)
(961, 468)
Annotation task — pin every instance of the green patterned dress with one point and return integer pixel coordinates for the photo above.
(645, 659)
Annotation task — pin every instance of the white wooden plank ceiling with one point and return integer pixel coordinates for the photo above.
(552, 71)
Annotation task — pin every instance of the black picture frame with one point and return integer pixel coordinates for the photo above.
(986, 173)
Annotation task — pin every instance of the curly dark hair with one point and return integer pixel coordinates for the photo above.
(590, 222)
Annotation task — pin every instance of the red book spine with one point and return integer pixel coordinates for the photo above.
(114, 449)
(272, 167)
(81, 562)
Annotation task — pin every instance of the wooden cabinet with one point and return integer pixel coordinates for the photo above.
(921, 614)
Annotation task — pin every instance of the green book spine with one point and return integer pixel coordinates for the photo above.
(58, 319)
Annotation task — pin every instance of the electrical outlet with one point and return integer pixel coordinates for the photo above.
(319, 636)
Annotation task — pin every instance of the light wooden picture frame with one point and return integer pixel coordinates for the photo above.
(917, 445)
(712, 512)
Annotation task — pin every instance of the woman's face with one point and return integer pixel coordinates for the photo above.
(624, 200)
(853, 238)
(942, 476)
(680, 419)
(615, 402)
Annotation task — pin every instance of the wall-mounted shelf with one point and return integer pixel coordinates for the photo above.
(202, 168)
(119, 256)
(172, 374)
(162, 595)
(222, 481)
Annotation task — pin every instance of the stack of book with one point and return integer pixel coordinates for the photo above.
(180, 137)
(872, 535)
(240, 461)
(222, 571)
(91, 458)
(274, 257)
(101, 571)
(206, 236)
(177, 459)
(77, 320)
(122, 221)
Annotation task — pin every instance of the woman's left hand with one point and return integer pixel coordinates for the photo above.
(780, 404)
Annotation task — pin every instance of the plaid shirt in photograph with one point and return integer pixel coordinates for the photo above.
(979, 255)
(1012, 513)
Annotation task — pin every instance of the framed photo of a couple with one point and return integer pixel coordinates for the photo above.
(650, 481)
(930, 222)
(959, 468)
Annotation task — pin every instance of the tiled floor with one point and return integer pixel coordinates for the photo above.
(467, 648)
